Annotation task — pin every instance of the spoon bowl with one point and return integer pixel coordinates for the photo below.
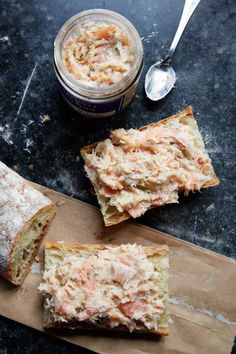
(160, 78)
(159, 81)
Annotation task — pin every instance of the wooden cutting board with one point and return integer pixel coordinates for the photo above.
(202, 287)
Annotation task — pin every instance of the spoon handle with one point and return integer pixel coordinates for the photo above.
(189, 7)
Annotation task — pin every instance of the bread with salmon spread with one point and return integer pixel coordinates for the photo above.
(138, 169)
(106, 287)
(25, 215)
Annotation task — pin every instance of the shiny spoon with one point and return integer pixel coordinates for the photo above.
(160, 78)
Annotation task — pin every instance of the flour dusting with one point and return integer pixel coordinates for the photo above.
(217, 316)
(6, 134)
(154, 32)
(210, 208)
(28, 144)
(65, 181)
(4, 39)
(35, 268)
(210, 142)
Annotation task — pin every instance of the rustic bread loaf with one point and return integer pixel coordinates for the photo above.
(25, 215)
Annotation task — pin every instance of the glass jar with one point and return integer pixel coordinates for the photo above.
(98, 101)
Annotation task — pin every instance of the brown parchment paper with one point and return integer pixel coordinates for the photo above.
(202, 287)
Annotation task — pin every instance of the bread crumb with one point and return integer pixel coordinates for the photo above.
(16, 168)
(4, 39)
(60, 203)
(45, 118)
(210, 207)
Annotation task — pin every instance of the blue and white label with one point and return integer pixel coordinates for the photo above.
(93, 108)
(98, 108)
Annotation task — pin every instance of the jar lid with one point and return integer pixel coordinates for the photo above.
(104, 17)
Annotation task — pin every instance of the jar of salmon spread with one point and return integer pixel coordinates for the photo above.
(98, 59)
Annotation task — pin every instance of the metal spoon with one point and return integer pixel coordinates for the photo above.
(160, 78)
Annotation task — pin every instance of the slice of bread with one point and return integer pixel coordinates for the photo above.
(110, 213)
(56, 256)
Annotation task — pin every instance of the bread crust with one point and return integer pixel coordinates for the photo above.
(49, 323)
(162, 331)
(186, 114)
(160, 250)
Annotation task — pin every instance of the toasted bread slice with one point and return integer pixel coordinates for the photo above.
(111, 214)
(103, 271)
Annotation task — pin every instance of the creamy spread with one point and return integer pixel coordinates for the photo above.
(116, 286)
(137, 169)
(98, 54)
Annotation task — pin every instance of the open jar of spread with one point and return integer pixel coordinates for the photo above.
(98, 59)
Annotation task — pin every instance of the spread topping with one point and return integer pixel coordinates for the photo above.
(137, 169)
(116, 286)
(98, 54)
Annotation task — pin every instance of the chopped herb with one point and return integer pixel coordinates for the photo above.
(81, 55)
(117, 51)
